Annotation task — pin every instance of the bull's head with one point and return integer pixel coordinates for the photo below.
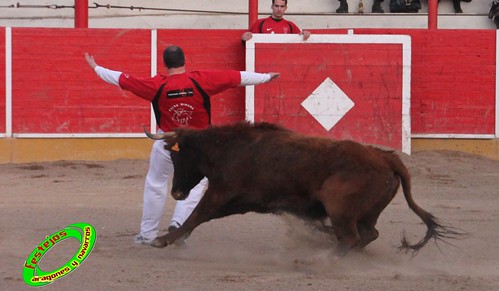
(187, 173)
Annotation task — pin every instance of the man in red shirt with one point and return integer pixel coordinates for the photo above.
(179, 99)
(275, 23)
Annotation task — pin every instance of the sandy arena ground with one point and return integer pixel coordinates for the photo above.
(252, 251)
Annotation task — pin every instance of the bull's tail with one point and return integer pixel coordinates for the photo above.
(435, 230)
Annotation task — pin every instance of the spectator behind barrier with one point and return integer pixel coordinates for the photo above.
(275, 23)
(405, 6)
(376, 8)
(494, 12)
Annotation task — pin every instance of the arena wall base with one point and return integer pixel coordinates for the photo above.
(488, 148)
(18, 150)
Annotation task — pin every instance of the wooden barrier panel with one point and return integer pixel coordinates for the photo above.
(341, 86)
(2, 82)
(55, 91)
(453, 81)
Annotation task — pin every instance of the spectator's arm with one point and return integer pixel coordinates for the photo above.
(306, 34)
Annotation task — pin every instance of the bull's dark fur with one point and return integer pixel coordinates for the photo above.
(265, 168)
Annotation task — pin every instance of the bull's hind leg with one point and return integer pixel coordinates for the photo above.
(352, 234)
(367, 231)
(345, 229)
(366, 225)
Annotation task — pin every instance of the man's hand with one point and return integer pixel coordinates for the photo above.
(274, 76)
(90, 60)
(306, 34)
(247, 36)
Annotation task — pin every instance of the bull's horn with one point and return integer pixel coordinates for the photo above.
(159, 136)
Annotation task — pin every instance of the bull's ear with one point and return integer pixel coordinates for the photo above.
(172, 148)
(175, 148)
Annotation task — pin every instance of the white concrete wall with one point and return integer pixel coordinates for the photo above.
(312, 14)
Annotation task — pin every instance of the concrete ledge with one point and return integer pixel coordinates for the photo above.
(19, 150)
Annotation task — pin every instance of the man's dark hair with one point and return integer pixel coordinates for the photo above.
(173, 57)
(285, 2)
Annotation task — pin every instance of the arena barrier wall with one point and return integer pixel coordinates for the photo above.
(54, 107)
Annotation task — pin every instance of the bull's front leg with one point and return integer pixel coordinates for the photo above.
(169, 238)
(206, 210)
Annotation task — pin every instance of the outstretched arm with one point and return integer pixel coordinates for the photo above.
(90, 60)
(250, 78)
(110, 76)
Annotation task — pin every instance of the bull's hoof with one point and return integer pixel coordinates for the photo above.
(157, 243)
(180, 242)
(342, 9)
(458, 10)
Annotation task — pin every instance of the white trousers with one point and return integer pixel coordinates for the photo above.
(156, 189)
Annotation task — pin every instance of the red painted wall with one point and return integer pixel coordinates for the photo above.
(359, 70)
(54, 90)
(453, 80)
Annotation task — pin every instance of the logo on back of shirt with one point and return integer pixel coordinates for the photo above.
(186, 92)
(181, 113)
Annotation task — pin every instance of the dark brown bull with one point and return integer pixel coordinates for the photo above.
(264, 168)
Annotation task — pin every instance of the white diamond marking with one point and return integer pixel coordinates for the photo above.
(328, 104)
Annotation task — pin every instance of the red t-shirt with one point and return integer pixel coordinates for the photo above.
(180, 102)
(271, 25)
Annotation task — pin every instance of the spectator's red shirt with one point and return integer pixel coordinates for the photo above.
(180, 102)
(271, 25)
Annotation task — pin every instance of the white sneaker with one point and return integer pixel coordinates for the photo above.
(139, 239)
